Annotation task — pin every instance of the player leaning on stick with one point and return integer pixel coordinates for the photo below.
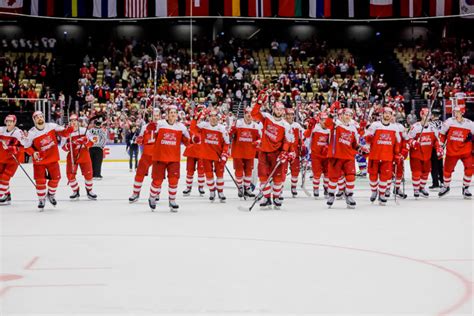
(11, 144)
(343, 145)
(277, 138)
(42, 145)
(457, 133)
(77, 146)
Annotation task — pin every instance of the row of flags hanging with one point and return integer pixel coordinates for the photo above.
(336, 9)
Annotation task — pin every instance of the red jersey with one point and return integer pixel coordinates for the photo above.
(244, 137)
(75, 136)
(384, 141)
(428, 139)
(343, 140)
(148, 132)
(276, 135)
(167, 147)
(45, 142)
(214, 140)
(12, 138)
(319, 140)
(297, 131)
(455, 133)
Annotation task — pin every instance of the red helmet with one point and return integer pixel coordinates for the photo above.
(10, 117)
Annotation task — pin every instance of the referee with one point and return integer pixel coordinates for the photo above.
(97, 150)
(436, 164)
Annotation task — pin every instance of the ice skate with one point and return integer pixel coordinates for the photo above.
(75, 195)
(240, 192)
(187, 191)
(326, 193)
(373, 196)
(424, 193)
(399, 193)
(351, 203)
(267, 203)
(212, 196)
(443, 191)
(416, 193)
(152, 203)
(249, 193)
(382, 200)
(331, 198)
(387, 193)
(316, 193)
(466, 194)
(201, 191)
(293, 192)
(276, 203)
(41, 204)
(52, 199)
(173, 206)
(91, 195)
(221, 196)
(134, 198)
(339, 195)
(6, 199)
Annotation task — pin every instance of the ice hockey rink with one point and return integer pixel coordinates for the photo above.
(110, 257)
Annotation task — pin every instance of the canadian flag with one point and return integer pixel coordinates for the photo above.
(381, 8)
(441, 7)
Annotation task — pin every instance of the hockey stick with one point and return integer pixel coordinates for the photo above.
(156, 73)
(260, 194)
(395, 185)
(240, 189)
(303, 178)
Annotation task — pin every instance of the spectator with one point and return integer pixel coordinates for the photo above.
(132, 146)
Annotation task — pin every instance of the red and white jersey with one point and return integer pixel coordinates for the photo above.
(75, 136)
(45, 142)
(297, 135)
(276, 134)
(319, 141)
(427, 139)
(167, 147)
(148, 132)
(13, 138)
(455, 133)
(214, 140)
(384, 141)
(343, 140)
(244, 138)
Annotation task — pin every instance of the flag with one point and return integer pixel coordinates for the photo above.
(466, 7)
(232, 8)
(411, 8)
(381, 8)
(290, 8)
(105, 8)
(42, 7)
(136, 8)
(197, 7)
(166, 8)
(259, 8)
(441, 7)
(75, 8)
(13, 6)
(320, 8)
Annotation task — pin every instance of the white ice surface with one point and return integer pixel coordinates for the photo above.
(112, 257)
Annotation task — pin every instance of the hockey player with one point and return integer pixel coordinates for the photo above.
(343, 144)
(318, 134)
(147, 139)
(213, 148)
(166, 156)
(193, 163)
(399, 165)
(422, 138)
(11, 146)
(383, 140)
(457, 133)
(77, 146)
(277, 138)
(42, 145)
(244, 135)
(297, 147)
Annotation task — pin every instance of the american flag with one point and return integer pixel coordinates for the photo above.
(136, 8)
